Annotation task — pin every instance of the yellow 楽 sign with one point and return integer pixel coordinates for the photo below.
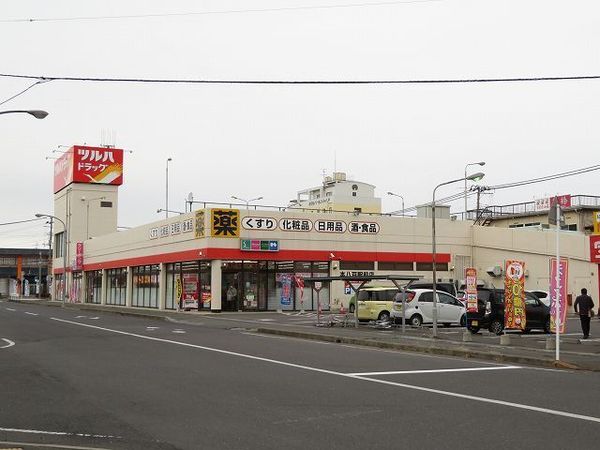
(225, 222)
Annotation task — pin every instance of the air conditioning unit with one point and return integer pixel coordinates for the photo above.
(494, 271)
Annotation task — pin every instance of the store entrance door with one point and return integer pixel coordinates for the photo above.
(231, 291)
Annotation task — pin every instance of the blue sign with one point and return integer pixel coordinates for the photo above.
(274, 246)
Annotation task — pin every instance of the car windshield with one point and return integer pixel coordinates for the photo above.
(377, 295)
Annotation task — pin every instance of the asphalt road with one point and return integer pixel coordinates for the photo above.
(101, 380)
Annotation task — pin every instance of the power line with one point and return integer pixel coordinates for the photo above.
(461, 195)
(23, 91)
(23, 221)
(205, 13)
(569, 173)
(301, 82)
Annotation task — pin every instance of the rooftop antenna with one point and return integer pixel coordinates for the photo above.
(108, 138)
(334, 161)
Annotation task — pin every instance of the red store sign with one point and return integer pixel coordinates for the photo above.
(595, 249)
(84, 164)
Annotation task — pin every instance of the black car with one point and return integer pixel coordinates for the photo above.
(490, 314)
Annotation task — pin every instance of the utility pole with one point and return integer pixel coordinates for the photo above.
(39, 283)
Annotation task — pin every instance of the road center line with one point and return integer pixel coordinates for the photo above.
(408, 372)
(345, 375)
(30, 313)
(8, 342)
(10, 309)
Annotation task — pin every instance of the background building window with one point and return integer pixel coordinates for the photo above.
(395, 266)
(428, 267)
(357, 265)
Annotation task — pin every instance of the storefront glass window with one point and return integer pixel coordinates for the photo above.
(145, 286)
(93, 283)
(117, 286)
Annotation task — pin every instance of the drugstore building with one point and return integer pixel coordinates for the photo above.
(237, 259)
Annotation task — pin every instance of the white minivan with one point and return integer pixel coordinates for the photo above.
(419, 308)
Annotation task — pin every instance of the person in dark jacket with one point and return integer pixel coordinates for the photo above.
(584, 306)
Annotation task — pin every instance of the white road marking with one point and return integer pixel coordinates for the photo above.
(267, 320)
(10, 309)
(151, 328)
(30, 313)
(179, 331)
(94, 318)
(548, 411)
(409, 372)
(58, 433)
(62, 447)
(9, 343)
(80, 317)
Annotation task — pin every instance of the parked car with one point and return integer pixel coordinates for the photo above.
(374, 303)
(490, 313)
(544, 296)
(419, 308)
(446, 286)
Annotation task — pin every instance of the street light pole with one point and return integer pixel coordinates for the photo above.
(247, 202)
(474, 177)
(398, 195)
(66, 242)
(167, 190)
(37, 113)
(480, 163)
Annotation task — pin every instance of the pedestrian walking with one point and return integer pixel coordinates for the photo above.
(584, 306)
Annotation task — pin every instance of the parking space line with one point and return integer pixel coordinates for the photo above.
(409, 372)
(474, 398)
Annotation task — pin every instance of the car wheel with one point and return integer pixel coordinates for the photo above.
(416, 320)
(384, 316)
(474, 330)
(463, 320)
(496, 327)
(547, 326)
(351, 308)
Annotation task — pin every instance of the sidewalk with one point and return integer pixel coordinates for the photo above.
(527, 349)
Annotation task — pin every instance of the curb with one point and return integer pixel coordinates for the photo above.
(431, 349)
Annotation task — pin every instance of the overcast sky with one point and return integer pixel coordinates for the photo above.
(272, 141)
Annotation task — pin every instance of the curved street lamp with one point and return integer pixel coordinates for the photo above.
(166, 210)
(247, 202)
(37, 113)
(475, 177)
(66, 243)
(480, 163)
(398, 195)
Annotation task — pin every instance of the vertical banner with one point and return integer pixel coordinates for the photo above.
(190, 291)
(471, 290)
(300, 285)
(563, 273)
(514, 295)
(78, 264)
(286, 289)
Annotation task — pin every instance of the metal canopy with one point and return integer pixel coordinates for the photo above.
(364, 279)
